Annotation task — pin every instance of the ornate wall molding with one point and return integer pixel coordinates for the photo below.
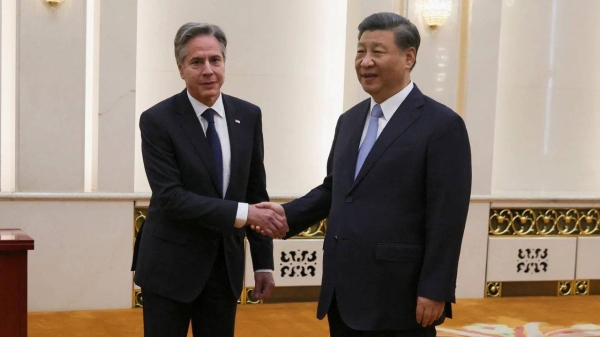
(314, 232)
(556, 221)
(493, 289)
(545, 288)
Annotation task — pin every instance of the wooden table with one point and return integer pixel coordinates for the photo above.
(14, 244)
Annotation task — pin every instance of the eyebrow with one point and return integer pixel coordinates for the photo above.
(375, 44)
(194, 58)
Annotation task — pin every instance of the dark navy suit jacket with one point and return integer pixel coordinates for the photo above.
(188, 215)
(394, 232)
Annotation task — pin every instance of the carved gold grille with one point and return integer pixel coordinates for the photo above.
(529, 221)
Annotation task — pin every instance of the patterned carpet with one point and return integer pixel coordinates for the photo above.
(527, 330)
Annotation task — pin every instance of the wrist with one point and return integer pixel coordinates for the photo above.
(251, 214)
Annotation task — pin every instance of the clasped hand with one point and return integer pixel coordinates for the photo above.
(268, 218)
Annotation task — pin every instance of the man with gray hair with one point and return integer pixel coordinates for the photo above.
(396, 196)
(203, 156)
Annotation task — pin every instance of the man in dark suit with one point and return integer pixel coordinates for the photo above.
(203, 156)
(396, 196)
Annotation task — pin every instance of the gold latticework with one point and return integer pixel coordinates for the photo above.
(524, 222)
(493, 289)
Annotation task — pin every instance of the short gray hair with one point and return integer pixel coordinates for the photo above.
(192, 29)
(406, 34)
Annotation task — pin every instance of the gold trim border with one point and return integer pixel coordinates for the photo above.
(582, 288)
(248, 297)
(562, 288)
(493, 289)
(544, 222)
(138, 301)
(565, 288)
(139, 214)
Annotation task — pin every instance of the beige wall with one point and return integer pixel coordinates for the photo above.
(302, 75)
(116, 96)
(437, 61)
(82, 252)
(548, 107)
(285, 56)
(51, 97)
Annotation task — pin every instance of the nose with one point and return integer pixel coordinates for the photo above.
(207, 69)
(367, 61)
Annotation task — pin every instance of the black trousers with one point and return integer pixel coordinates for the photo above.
(211, 314)
(337, 327)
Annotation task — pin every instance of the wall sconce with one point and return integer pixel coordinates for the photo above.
(436, 12)
(54, 2)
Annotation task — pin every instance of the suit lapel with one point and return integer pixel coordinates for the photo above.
(403, 118)
(193, 129)
(357, 124)
(235, 141)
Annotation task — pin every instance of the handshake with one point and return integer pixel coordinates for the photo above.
(268, 218)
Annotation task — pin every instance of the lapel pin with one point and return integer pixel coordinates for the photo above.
(237, 121)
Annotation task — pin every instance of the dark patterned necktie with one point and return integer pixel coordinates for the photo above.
(215, 144)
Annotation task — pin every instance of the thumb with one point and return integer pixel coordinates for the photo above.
(257, 292)
(262, 205)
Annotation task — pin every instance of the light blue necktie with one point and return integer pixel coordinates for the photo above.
(370, 138)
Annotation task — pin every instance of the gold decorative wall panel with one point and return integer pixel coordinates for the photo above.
(543, 288)
(314, 232)
(582, 287)
(139, 215)
(543, 222)
(138, 301)
(565, 288)
(493, 289)
(247, 294)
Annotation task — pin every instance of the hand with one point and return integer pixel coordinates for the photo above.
(263, 284)
(275, 207)
(267, 221)
(428, 311)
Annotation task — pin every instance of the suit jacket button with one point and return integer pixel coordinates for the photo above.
(349, 199)
(335, 237)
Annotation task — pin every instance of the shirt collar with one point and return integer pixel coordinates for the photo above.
(199, 107)
(390, 105)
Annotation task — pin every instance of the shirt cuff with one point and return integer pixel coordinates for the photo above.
(242, 215)
(264, 271)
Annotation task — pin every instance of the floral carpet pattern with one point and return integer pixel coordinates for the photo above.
(527, 330)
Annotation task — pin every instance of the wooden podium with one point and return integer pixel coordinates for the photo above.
(14, 244)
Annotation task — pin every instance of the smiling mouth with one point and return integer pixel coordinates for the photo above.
(369, 76)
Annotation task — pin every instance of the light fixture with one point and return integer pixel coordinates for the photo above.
(436, 12)
(54, 2)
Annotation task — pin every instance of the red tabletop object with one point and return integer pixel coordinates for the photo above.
(14, 244)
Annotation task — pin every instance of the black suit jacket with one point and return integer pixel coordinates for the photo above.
(188, 216)
(394, 232)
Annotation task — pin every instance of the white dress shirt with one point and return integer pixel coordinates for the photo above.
(221, 126)
(388, 107)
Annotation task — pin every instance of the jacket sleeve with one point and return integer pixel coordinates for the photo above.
(448, 191)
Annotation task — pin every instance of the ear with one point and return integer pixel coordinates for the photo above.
(180, 67)
(410, 57)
